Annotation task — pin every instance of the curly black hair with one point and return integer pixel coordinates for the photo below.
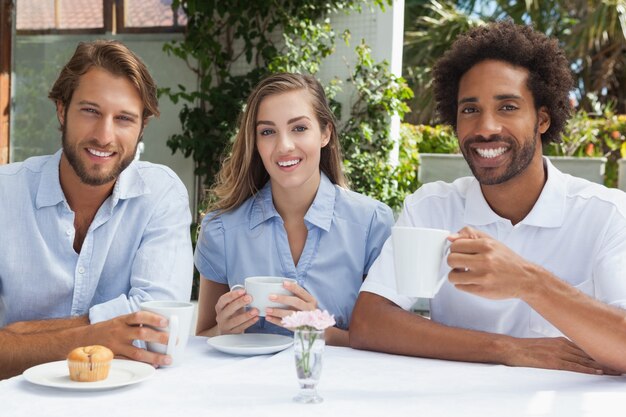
(550, 79)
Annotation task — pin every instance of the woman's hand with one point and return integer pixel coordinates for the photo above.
(231, 316)
(301, 300)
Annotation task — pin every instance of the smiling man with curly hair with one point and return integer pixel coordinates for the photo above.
(536, 263)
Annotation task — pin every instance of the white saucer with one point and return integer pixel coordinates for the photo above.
(250, 343)
(57, 375)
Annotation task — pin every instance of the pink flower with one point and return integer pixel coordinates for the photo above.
(314, 319)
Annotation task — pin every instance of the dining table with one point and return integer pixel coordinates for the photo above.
(209, 382)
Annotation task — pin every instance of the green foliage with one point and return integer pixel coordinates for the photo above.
(581, 137)
(220, 39)
(430, 139)
(392, 184)
(430, 28)
(586, 135)
(592, 33)
(365, 138)
(405, 172)
(276, 36)
(413, 140)
(195, 288)
(593, 135)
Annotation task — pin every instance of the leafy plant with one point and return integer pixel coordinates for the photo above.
(594, 135)
(581, 137)
(432, 139)
(586, 135)
(592, 33)
(366, 138)
(276, 36)
(230, 46)
(430, 28)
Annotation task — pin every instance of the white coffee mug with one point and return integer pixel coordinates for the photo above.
(261, 287)
(179, 315)
(418, 254)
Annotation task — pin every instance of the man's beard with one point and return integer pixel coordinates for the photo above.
(97, 178)
(521, 157)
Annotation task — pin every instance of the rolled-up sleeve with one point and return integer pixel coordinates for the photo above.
(162, 267)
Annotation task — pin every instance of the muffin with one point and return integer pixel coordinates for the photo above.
(89, 363)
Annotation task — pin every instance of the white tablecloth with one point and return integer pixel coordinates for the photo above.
(353, 383)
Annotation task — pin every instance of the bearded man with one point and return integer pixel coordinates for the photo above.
(87, 234)
(537, 263)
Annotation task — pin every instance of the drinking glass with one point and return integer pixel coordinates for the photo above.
(308, 349)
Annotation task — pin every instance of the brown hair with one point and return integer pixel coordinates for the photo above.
(114, 57)
(549, 80)
(243, 174)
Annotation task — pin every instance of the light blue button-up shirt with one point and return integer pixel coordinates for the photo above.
(346, 232)
(137, 248)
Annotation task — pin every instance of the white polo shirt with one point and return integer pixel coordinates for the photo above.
(576, 230)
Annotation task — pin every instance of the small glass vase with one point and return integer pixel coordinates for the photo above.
(308, 346)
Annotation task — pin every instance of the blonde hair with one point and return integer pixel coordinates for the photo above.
(242, 174)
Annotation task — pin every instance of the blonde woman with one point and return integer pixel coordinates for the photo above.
(283, 209)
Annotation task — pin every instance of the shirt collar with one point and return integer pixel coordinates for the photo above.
(262, 206)
(320, 213)
(130, 184)
(477, 210)
(50, 192)
(548, 211)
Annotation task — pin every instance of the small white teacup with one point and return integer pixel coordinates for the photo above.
(261, 287)
(179, 315)
(418, 254)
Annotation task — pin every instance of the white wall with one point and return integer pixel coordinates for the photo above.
(381, 30)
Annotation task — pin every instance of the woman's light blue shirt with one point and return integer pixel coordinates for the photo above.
(346, 232)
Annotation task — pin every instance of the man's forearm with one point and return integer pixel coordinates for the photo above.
(20, 351)
(37, 326)
(599, 329)
(378, 324)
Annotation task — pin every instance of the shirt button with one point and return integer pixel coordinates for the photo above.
(68, 232)
(81, 270)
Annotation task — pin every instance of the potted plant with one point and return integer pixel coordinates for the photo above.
(589, 149)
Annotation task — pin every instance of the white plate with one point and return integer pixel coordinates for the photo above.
(250, 343)
(57, 375)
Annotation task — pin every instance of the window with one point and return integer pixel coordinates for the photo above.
(46, 35)
(151, 14)
(35, 17)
